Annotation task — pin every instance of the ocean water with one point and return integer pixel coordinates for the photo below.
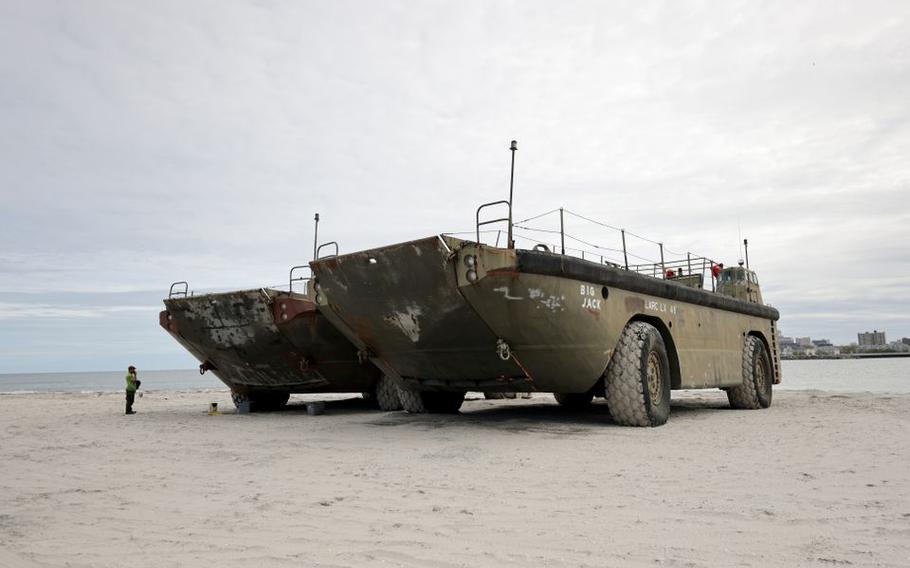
(891, 375)
(108, 381)
(840, 375)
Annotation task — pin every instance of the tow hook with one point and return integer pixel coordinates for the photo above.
(503, 350)
(207, 366)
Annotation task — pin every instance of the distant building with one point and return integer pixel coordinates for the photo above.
(871, 339)
(906, 340)
(804, 341)
(828, 349)
(822, 342)
(784, 340)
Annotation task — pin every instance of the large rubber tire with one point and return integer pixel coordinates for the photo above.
(433, 402)
(638, 377)
(270, 400)
(261, 401)
(574, 400)
(387, 397)
(755, 390)
(238, 398)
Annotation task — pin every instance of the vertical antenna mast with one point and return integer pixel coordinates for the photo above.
(739, 226)
(746, 244)
(316, 235)
(513, 147)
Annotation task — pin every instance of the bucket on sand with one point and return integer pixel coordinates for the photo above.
(213, 408)
(315, 408)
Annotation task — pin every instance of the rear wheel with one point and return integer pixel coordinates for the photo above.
(433, 402)
(387, 397)
(638, 377)
(261, 400)
(574, 400)
(755, 390)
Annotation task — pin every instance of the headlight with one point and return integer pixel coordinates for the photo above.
(470, 261)
(471, 276)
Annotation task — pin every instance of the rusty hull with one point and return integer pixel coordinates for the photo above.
(266, 340)
(401, 305)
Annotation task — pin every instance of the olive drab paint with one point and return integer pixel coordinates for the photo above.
(435, 313)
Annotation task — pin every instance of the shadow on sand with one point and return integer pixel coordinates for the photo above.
(542, 414)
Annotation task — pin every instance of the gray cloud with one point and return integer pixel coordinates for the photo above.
(149, 143)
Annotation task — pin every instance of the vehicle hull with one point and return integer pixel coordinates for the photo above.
(266, 340)
(401, 305)
(562, 318)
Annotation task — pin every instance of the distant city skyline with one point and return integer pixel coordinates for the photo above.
(874, 337)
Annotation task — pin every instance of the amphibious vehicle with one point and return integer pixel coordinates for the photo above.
(443, 316)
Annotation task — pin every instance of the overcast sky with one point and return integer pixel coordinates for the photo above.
(148, 142)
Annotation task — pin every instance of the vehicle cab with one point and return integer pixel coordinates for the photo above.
(740, 283)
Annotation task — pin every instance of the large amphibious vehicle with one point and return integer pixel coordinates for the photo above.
(443, 316)
(266, 344)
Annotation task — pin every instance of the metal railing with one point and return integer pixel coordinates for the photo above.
(478, 224)
(689, 269)
(686, 268)
(323, 245)
(185, 292)
(291, 278)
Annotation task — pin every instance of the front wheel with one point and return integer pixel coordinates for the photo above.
(574, 400)
(433, 402)
(638, 377)
(755, 390)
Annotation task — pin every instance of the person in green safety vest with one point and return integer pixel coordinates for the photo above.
(132, 385)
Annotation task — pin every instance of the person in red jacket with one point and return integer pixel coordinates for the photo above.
(715, 270)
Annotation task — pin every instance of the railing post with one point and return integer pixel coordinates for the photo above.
(625, 255)
(562, 233)
(689, 262)
(663, 269)
(711, 268)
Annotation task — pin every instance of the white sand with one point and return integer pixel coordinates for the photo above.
(818, 479)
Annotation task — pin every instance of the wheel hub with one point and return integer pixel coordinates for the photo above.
(760, 376)
(654, 378)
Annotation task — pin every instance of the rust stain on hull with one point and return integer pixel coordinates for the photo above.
(266, 340)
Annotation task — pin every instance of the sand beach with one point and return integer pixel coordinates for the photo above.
(819, 479)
